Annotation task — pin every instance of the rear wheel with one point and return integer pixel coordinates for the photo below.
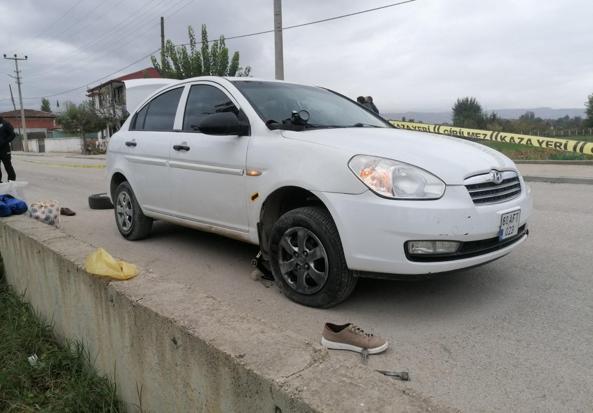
(131, 222)
(308, 260)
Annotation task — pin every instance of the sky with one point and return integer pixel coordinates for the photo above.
(419, 56)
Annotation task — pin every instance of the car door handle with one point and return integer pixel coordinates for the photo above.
(181, 147)
(131, 143)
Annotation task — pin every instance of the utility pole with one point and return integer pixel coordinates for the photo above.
(162, 39)
(12, 96)
(278, 42)
(12, 99)
(18, 82)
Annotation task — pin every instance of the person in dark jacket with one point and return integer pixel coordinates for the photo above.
(364, 102)
(371, 105)
(6, 136)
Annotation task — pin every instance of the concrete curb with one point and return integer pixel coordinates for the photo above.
(88, 157)
(171, 348)
(61, 154)
(559, 180)
(21, 153)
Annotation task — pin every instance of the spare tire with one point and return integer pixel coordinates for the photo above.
(100, 201)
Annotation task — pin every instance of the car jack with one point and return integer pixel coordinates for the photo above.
(262, 265)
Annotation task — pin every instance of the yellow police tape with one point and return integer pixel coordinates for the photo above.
(568, 145)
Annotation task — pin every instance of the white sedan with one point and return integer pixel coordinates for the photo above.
(328, 190)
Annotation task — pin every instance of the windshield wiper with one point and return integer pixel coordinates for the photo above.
(364, 125)
(356, 125)
(315, 126)
(288, 125)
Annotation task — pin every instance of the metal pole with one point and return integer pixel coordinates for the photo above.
(18, 82)
(278, 42)
(23, 120)
(162, 39)
(13, 104)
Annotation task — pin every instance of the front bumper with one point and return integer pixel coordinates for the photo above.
(374, 230)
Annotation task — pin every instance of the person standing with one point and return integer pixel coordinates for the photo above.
(7, 135)
(371, 105)
(364, 102)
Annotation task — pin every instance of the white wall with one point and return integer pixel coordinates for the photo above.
(63, 145)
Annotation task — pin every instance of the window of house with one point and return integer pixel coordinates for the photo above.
(159, 113)
(204, 100)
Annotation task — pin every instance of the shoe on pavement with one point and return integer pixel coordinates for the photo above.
(67, 212)
(353, 338)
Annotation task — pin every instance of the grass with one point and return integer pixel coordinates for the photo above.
(62, 380)
(522, 152)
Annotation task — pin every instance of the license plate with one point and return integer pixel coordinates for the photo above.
(509, 224)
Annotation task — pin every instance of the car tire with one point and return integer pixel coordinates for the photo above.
(100, 201)
(317, 274)
(131, 221)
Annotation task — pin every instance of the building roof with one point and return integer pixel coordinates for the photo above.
(29, 114)
(149, 72)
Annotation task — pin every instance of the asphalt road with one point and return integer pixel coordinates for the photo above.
(515, 335)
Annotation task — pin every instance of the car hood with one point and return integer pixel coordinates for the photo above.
(451, 159)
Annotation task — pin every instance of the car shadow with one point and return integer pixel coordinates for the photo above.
(207, 242)
(442, 294)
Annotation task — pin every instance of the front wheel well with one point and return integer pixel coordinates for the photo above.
(116, 179)
(277, 204)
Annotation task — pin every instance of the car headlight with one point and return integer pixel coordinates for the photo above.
(394, 179)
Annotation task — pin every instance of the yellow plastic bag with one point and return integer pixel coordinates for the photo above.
(102, 263)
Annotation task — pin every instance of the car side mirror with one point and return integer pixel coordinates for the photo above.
(223, 123)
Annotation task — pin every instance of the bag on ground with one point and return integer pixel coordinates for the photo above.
(10, 205)
(47, 212)
(102, 263)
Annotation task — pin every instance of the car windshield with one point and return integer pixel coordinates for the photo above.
(276, 102)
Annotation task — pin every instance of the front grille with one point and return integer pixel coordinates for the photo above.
(488, 192)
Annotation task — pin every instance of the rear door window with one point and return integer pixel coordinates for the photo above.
(159, 113)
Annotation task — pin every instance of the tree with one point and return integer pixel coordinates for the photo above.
(467, 113)
(45, 107)
(493, 122)
(181, 62)
(589, 111)
(81, 119)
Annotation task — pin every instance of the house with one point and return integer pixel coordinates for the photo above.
(36, 120)
(109, 98)
(40, 125)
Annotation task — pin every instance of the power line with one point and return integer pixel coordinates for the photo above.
(76, 26)
(80, 22)
(101, 78)
(348, 15)
(236, 37)
(294, 26)
(49, 26)
(129, 32)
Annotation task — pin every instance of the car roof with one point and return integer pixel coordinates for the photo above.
(237, 79)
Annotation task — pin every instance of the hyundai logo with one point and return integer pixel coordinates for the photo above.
(496, 176)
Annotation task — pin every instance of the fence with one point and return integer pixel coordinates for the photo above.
(553, 133)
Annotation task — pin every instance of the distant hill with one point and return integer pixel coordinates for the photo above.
(445, 117)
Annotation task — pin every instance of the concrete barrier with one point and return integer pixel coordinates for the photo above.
(170, 348)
